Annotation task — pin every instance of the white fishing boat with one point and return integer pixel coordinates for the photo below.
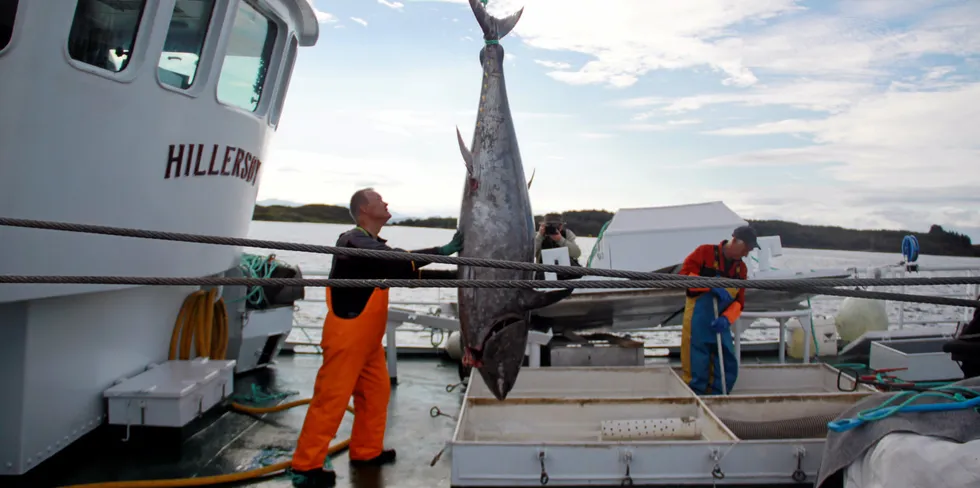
(157, 115)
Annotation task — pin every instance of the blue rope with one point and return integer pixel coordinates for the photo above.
(957, 395)
(910, 248)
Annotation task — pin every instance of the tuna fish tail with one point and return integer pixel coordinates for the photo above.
(494, 29)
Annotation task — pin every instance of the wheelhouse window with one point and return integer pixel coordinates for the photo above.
(246, 63)
(103, 32)
(8, 12)
(185, 41)
(287, 72)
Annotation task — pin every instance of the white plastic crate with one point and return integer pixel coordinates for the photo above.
(170, 394)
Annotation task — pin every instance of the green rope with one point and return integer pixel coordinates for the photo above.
(258, 396)
(595, 247)
(254, 266)
(492, 41)
(885, 410)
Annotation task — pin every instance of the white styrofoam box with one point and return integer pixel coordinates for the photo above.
(172, 393)
(924, 359)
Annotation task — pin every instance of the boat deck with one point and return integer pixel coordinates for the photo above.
(232, 442)
(239, 442)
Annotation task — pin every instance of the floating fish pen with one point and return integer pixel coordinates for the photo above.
(614, 426)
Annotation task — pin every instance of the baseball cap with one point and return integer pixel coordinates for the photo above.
(747, 235)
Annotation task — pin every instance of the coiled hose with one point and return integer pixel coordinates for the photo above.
(204, 321)
(812, 427)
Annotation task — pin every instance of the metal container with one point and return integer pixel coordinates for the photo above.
(595, 350)
(923, 358)
(639, 429)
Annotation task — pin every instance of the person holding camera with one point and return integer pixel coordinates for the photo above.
(553, 234)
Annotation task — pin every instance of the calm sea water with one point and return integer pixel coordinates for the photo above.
(313, 310)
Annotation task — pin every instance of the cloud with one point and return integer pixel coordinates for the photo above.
(742, 41)
(629, 38)
(847, 206)
(596, 135)
(893, 138)
(412, 123)
(359, 21)
(807, 94)
(392, 5)
(553, 64)
(857, 113)
(322, 16)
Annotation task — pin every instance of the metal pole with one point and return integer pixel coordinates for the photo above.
(721, 357)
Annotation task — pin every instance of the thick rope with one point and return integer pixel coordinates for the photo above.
(498, 284)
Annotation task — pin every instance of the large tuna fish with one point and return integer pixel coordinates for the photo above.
(497, 223)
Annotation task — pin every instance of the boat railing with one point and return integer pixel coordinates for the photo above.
(437, 333)
(951, 291)
(440, 305)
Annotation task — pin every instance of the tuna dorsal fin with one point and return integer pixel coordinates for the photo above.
(467, 155)
(533, 299)
(532, 178)
(494, 29)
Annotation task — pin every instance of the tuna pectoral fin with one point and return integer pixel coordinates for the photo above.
(494, 29)
(532, 178)
(533, 299)
(467, 155)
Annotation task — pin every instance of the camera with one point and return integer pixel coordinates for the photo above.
(550, 229)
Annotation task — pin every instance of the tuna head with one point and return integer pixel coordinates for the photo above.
(502, 353)
(498, 341)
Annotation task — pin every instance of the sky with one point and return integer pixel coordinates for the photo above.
(859, 113)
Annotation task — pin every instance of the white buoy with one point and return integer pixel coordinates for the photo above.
(859, 315)
(453, 347)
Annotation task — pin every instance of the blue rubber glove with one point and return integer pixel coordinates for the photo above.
(724, 298)
(720, 324)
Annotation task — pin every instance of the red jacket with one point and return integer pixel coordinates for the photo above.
(704, 261)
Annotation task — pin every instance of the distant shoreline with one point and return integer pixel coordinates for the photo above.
(588, 223)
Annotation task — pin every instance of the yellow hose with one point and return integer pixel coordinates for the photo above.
(204, 322)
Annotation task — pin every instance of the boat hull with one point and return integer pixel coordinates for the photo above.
(631, 309)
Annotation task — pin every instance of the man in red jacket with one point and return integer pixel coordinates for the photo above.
(699, 347)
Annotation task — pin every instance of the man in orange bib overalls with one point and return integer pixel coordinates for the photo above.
(700, 363)
(354, 362)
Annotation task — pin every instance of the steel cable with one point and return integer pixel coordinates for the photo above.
(819, 286)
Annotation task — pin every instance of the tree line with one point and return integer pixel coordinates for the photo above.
(588, 223)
